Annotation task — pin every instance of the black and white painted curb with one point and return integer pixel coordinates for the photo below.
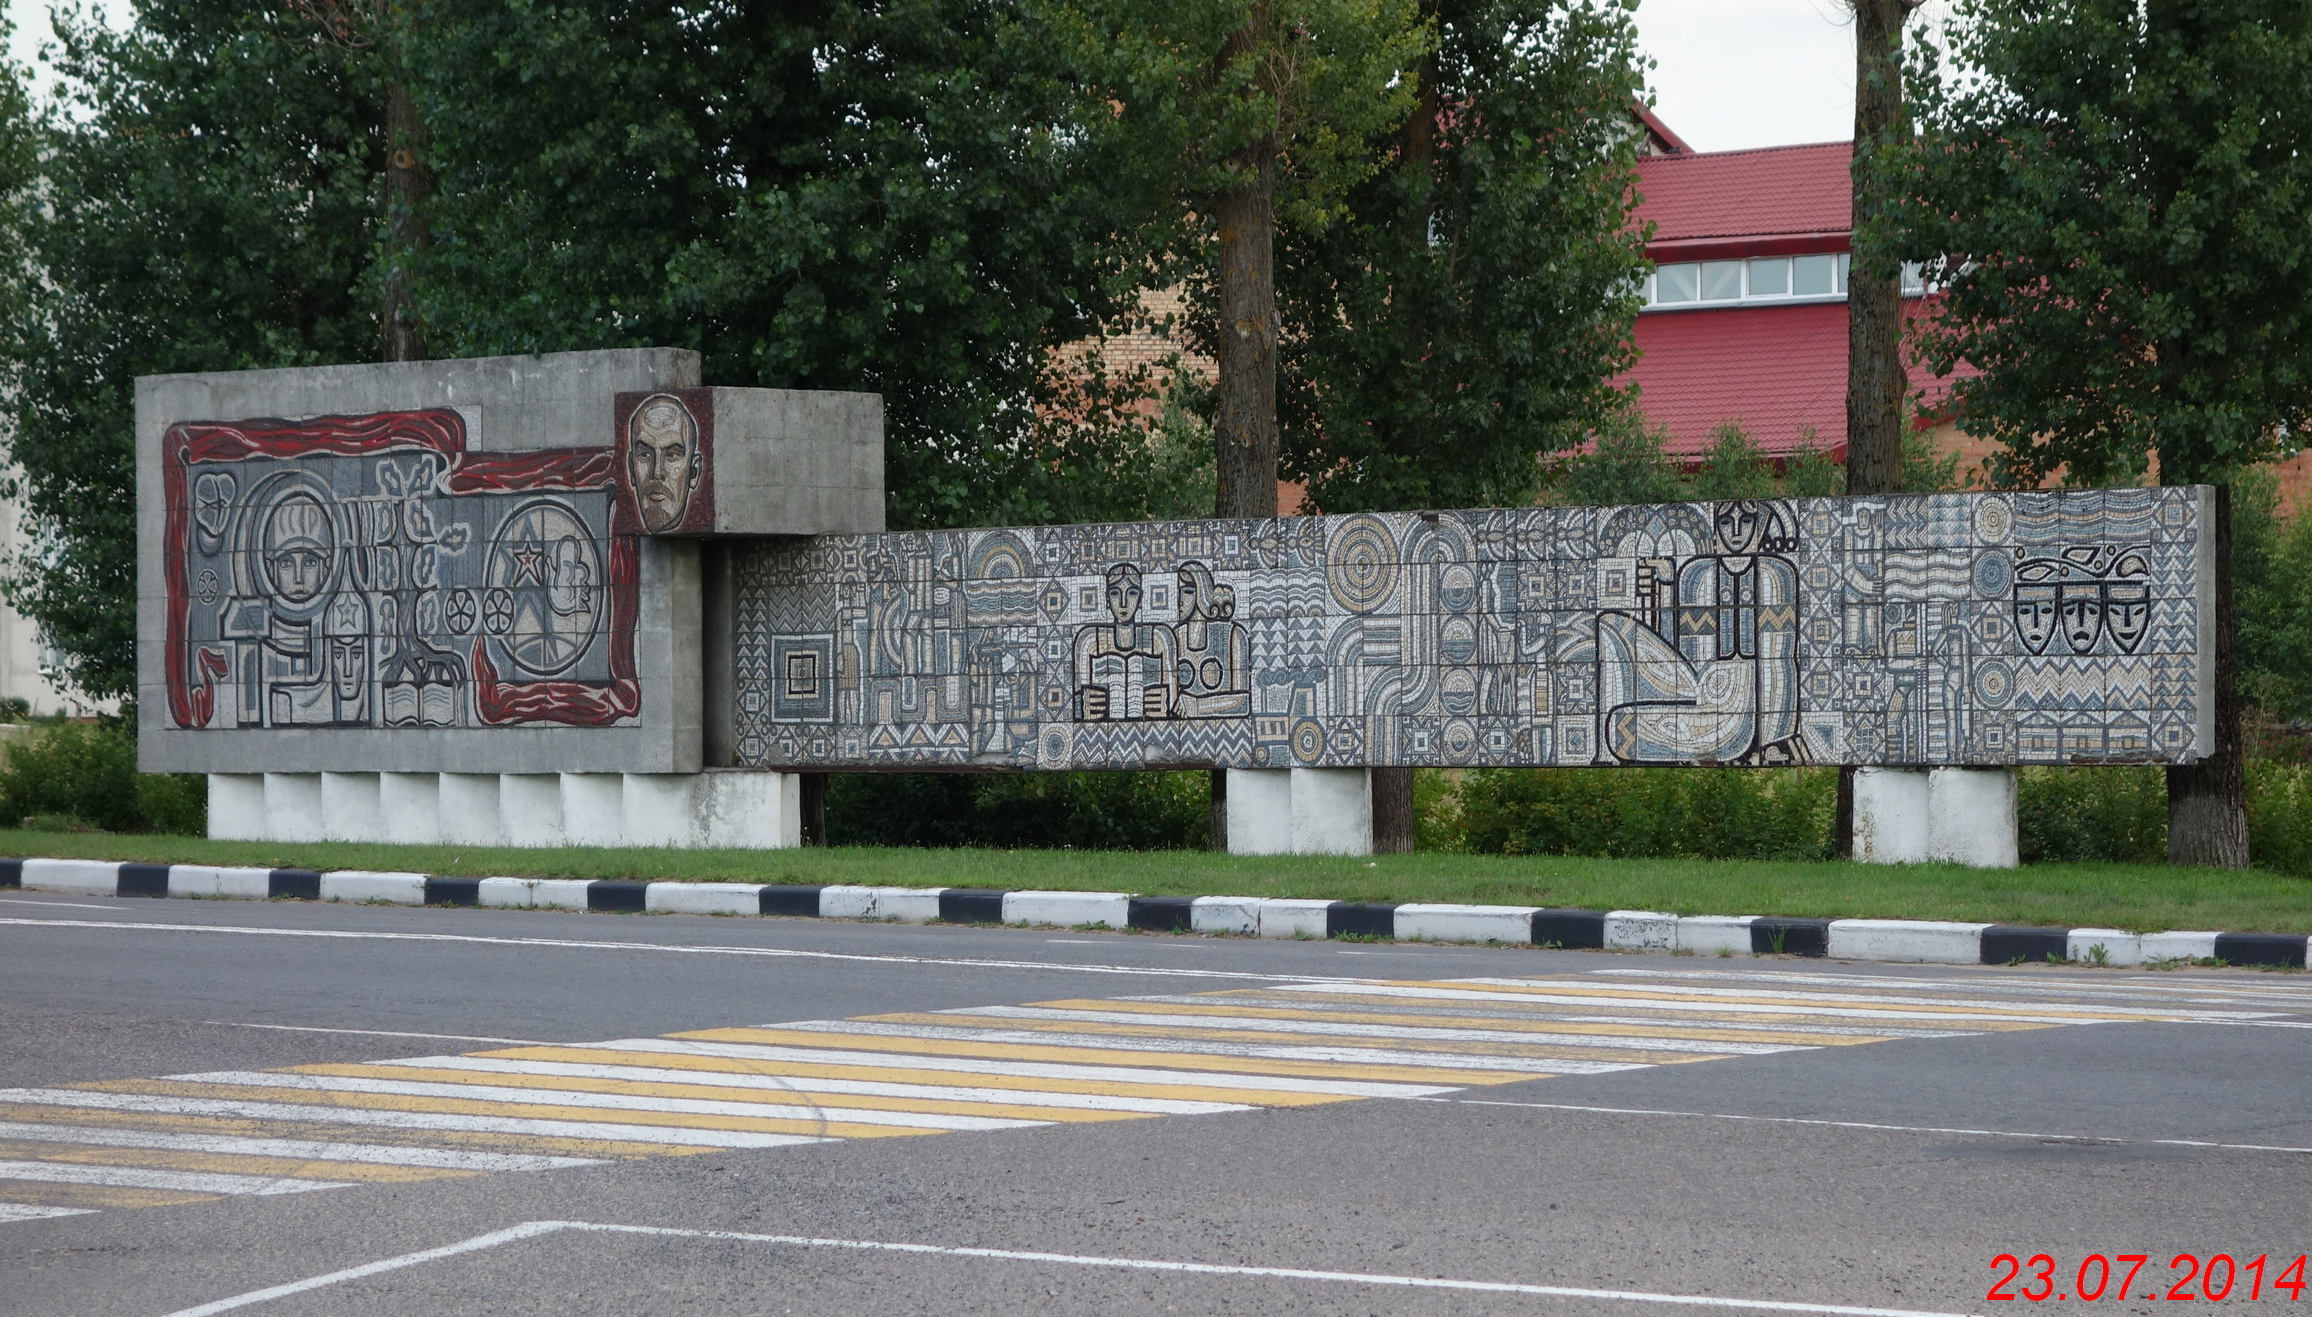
(1910, 940)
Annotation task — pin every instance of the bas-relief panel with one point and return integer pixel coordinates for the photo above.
(368, 571)
(1934, 629)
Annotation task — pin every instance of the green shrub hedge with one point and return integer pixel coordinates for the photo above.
(84, 774)
(1014, 811)
(1670, 813)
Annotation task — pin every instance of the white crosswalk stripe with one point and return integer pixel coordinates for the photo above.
(72, 1149)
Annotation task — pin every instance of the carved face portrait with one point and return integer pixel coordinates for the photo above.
(2035, 616)
(1124, 592)
(2126, 612)
(662, 462)
(570, 586)
(2081, 603)
(1738, 525)
(299, 549)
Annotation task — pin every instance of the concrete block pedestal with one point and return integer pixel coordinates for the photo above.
(736, 810)
(1300, 811)
(1940, 815)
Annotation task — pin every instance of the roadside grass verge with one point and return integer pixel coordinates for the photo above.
(2139, 898)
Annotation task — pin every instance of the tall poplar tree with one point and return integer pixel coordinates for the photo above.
(2117, 198)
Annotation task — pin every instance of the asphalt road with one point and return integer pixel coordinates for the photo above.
(384, 1110)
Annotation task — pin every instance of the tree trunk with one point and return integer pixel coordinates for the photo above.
(1393, 817)
(407, 181)
(2207, 801)
(813, 791)
(1244, 435)
(1875, 383)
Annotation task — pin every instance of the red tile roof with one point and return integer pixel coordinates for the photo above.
(1773, 368)
(1777, 191)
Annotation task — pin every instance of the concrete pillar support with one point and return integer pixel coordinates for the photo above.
(749, 811)
(530, 809)
(1890, 815)
(661, 809)
(349, 807)
(409, 808)
(593, 808)
(466, 809)
(237, 806)
(1300, 811)
(1971, 817)
(293, 807)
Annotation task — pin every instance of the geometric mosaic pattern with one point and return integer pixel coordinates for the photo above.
(1989, 629)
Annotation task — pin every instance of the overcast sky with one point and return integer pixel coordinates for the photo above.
(1730, 73)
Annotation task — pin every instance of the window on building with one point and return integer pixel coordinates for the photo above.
(1814, 276)
(1770, 277)
(1721, 281)
(1677, 283)
(1914, 279)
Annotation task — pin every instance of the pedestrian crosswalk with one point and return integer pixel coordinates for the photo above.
(199, 1137)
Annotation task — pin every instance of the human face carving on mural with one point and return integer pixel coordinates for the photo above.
(662, 462)
(298, 549)
(1124, 593)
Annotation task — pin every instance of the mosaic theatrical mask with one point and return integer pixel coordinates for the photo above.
(1981, 629)
(369, 571)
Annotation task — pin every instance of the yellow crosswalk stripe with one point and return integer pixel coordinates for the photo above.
(862, 1042)
(901, 1071)
(167, 1160)
(127, 1143)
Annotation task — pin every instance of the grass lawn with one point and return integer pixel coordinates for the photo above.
(2142, 898)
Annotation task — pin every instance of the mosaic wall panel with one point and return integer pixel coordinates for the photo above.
(369, 572)
(1936, 629)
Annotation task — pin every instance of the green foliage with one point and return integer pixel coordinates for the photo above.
(2280, 816)
(1471, 307)
(1735, 467)
(207, 202)
(1011, 811)
(2272, 589)
(2117, 198)
(1681, 813)
(2106, 814)
(1810, 471)
(893, 197)
(1627, 462)
(85, 772)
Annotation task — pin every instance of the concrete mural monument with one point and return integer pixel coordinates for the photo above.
(583, 598)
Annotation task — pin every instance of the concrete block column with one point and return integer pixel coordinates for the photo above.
(349, 807)
(293, 807)
(1300, 811)
(237, 806)
(466, 809)
(741, 810)
(1332, 811)
(530, 809)
(661, 809)
(1890, 815)
(1260, 811)
(593, 807)
(1971, 817)
(409, 807)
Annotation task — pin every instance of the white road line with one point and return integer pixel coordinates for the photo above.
(557, 1097)
(70, 905)
(1572, 995)
(33, 1212)
(771, 953)
(1203, 1047)
(1271, 999)
(389, 1033)
(138, 1177)
(381, 1154)
(2091, 1140)
(1868, 1000)
(1351, 1029)
(677, 1135)
(807, 1084)
(833, 1054)
(534, 1229)
(2073, 989)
